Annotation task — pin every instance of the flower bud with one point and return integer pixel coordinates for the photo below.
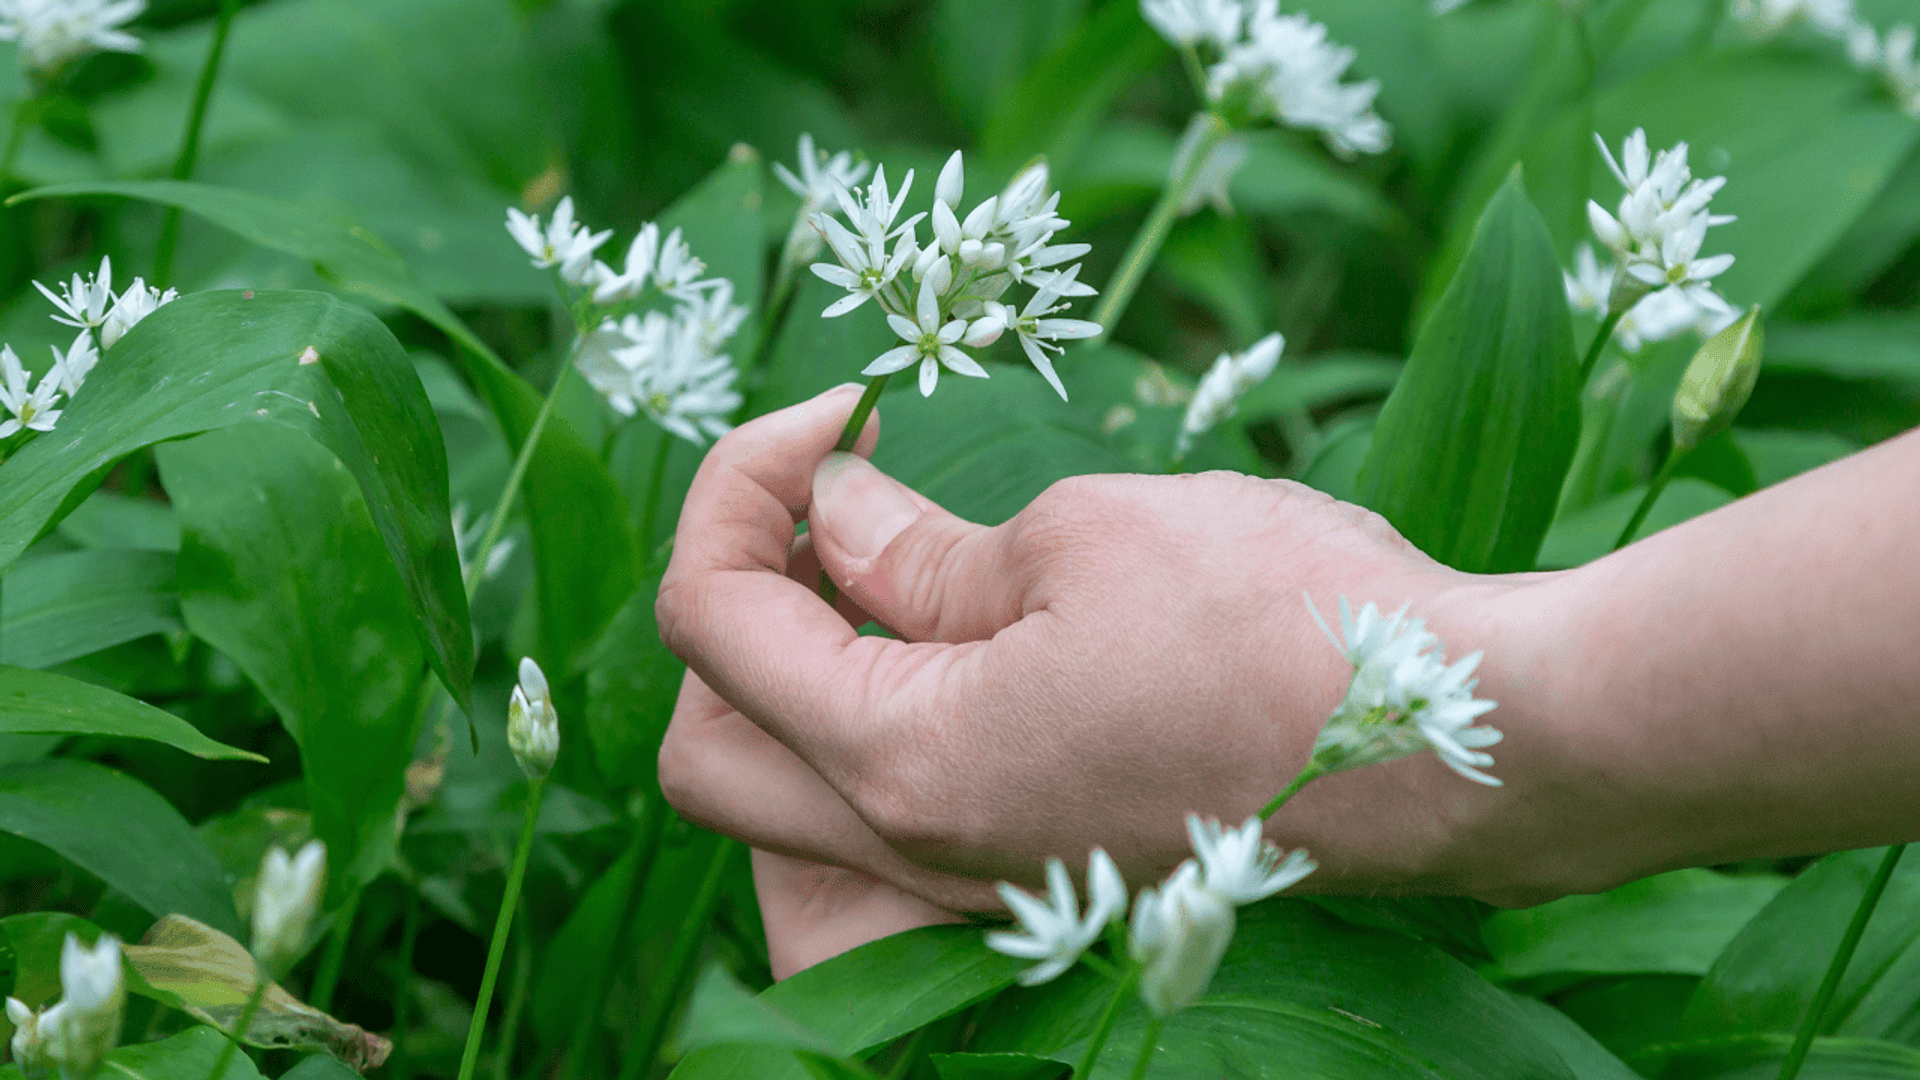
(952, 182)
(1179, 934)
(1717, 382)
(86, 1024)
(30, 1049)
(284, 902)
(533, 729)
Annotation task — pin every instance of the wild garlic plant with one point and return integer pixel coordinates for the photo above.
(72, 1037)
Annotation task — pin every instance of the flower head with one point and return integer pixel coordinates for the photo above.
(285, 899)
(1285, 68)
(1240, 864)
(930, 343)
(84, 301)
(564, 243)
(31, 1050)
(1053, 931)
(137, 302)
(1179, 933)
(53, 32)
(1220, 389)
(35, 411)
(80, 1030)
(533, 728)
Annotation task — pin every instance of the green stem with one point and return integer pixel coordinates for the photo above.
(515, 478)
(1195, 72)
(686, 949)
(1147, 1047)
(643, 846)
(848, 436)
(655, 483)
(241, 1026)
(328, 975)
(1600, 340)
(516, 997)
(190, 142)
(1307, 775)
(1153, 232)
(1659, 484)
(1842, 956)
(398, 1065)
(502, 929)
(1111, 1016)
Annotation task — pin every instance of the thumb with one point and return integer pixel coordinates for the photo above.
(917, 569)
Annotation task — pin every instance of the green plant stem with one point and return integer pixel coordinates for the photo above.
(656, 481)
(850, 435)
(1147, 1047)
(1153, 232)
(686, 949)
(642, 848)
(1122, 990)
(1659, 484)
(398, 1066)
(515, 477)
(502, 929)
(240, 1026)
(1600, 339)
(190, 141)
(1830, 984)
(1307, 775)
(516, 997)
(328, 975)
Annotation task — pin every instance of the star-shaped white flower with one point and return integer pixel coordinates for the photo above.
(820, 175)
(74, 365)
(1680, 266)
(930, 344)
(33, 412)
(1190, 22)
(564, 243)
(52, 32)
(1240, 864)
(139, 301)
(1590, 285)
(1035, 327)
(1053, 931)
(83, 302)
(1220, 389)
(1179, 933)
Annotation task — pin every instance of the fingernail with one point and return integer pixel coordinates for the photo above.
(860, 508)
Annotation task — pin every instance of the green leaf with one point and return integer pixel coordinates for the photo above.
(1674, 923)
(1054, 110)
(632, 683)
(1865, 345)
(280, 569)
(36, 940)
(811, 355)
(723, 1012)
(983, 47)
(1760, 1057)
(190, 1055)
(1498, 344)
(996, 1067)
(9, 963)
(58, 607)
(109, 519)
(301, 360)
(42, 703)
(1316, 381)
(319, 1067)
(1587, 1059)
(1579, 538)
(119, 830)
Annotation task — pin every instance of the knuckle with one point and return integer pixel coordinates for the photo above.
(675, 614)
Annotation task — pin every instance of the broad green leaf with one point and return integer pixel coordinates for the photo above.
(1782, 455)
(584, 550)
(1760, 1057)
(1335, 468)
(190, 1055)
(280, 570)
(1498, 344)
(722, 1012)
(119, 830)
(1581, 537)
(1299, 993)
(1057, 105)
(1628, 1014)
(996, 1067)
(632, 683)
(319, 1067)
(812, 355)
(306, 361)
(58, 607)
(1676, 923)
(1867, 345)
(42, 703)
(1316, 381)
(196, 968)
(983, 47)
(861, 999)
(1217, 261)
(109, 519)
(1586, 1058)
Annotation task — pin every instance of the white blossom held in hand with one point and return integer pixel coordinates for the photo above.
(1241, 864)
(1178, 935)
(53, 32)
(564, 243)
(31, 411)
(1053, 931)
(137, 302)
(1403, 698)
(1220, 389)
(285, 900)
(930, 343)
(533, 728)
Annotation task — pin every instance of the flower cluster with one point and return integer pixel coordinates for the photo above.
(1660, 284)
(73, 1035)
(947, 297)
(1265, 65)
(668, 364)
(1891, 56)
(89, 304)
(820, 177)
(1220, 389)
(53, 32)
(285, 899)
(1403, 698)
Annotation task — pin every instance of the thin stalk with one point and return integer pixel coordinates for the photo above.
(190, 141)
(1111, 1016)
(398, 1064)
(515, 478)
(259, 994)
(642, 848)
(502, 929)
(516, 997)
(1307, 775)
(1153, 232)
(1659, 484)
(328, 975)
(1600, 340)
(1195, 72)
(654, 484)
(786, 282)
(1147, 1047)
(686, 949)
(848, 436)
(1823, 997)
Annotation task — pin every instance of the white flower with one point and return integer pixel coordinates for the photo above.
(1590, 286)
(1240, 864)
(930, 344)
(52, 32)
(820, 176)
(1765, 18)
(1053, 931)
(83, 302)
(1662, 219)
(31, 1051)
(1680, 266)
(670, 366)
(1657, 317)
(74, 365)
(86, 1023)
(865, 267)
(669, 267)
(1403, 699)
(1215, 174)
(33, 411)
(1179, 933)
(1188, 22)
(564, 243)
(1286, 68)
(1221, 387)
(1036, 331)
(137, 302)
(285, 898)
(533, 728)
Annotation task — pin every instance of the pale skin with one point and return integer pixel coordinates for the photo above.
(1129, 649)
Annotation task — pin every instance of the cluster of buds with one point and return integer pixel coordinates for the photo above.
(285, 899)
(1262, 65)
(88, 304)
(1221, 387)
(948, 297)
(533, 727)
(74, 1035)
(52, 33)
(668, 364)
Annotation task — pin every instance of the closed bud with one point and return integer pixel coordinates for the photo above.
(85, 1025)
(1718, 382)
(30, 1050)
(533, 728)
(284, 902)
(1179, 934)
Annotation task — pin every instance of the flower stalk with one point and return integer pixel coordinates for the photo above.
(1147, 243)
(242, 1025)
(1148, 1044)
(502, 929)
(1123, 989)
(190, 141)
